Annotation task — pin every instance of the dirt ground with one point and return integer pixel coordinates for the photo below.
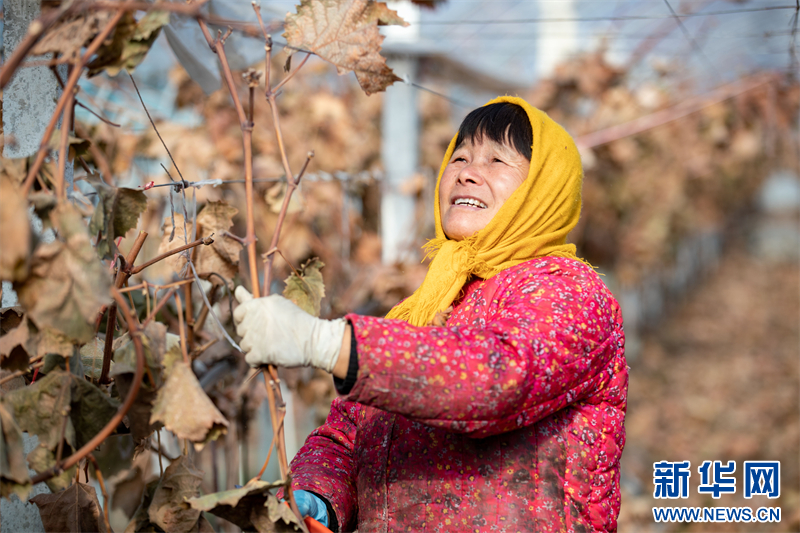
(719, 380)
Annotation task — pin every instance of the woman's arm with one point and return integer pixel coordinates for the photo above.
(325, 465)
(554, 340)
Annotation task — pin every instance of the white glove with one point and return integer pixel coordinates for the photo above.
(275, 331)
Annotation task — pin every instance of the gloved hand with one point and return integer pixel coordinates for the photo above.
(275, 331)
(309, 504)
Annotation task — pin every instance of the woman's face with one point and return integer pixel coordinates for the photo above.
(478, 179)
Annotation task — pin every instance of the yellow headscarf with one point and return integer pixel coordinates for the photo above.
(533, 222)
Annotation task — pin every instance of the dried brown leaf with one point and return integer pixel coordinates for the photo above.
(92, 358)
(68, 284)
(14, 478)
(75, 510)
(126, 489)
(141, 519)
(69, 36)
(41, 459)
(15, 232)
(132, 40)
(275, 196)
(251, 507)
(40, 408)
(116, 213)
(155, 340)
(10, 318)
(307, 289)
(183, 407)
(168, 509)
(346, 34)
(14, 347)
(177, 262)
(222, 256)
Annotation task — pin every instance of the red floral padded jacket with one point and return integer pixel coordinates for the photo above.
(509, 418)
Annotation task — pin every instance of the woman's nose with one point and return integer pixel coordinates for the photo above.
(470, 174)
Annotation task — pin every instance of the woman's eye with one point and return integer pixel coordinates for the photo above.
(497, 160)
(459, 159)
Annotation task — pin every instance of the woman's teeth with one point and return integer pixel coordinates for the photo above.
(470, 201)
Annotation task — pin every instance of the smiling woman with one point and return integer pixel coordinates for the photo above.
(510, 417)
(491, 159)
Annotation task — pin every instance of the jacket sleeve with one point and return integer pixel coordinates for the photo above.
(552, 341)
(325, 465)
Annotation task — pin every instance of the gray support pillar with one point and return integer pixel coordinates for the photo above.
(399, 151)
(30, 97)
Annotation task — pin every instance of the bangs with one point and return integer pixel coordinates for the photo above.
(503, 123)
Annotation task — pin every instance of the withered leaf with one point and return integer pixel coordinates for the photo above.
(75, 509)
(15, 232)
(50, 341)
(128, 486)
(116, 213)
(141, 519)
(345, 33)
(14, 169)
(276, 194)
(177, 262)
(91, 409)
(222, 256)
(250, 507)
(92, 357)
(14, 347)
(184, 408)
(155, 341)
(68, 284)
(69, 36)
(40, 408)
(130, 45)
(307, 289)
(41, 459)
(10, 318)
(14, 478)
(169, 510)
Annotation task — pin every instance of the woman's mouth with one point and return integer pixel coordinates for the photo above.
(470, 202)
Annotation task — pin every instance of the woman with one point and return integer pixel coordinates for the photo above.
(510, 416)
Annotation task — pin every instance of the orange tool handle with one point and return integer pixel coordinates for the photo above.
(314, 526)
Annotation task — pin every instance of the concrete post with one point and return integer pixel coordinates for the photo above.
(560, 39)
(400, 142)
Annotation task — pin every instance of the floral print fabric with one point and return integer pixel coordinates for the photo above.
(508, 418)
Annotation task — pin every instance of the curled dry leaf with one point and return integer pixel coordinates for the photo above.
(141, 519)
(41, 459)
(183, 407)
(177, 262)
(13, 347)
(276, 194)
(14, 478)
(345, 33)
(40, 408)
(251, 507)
(155, 341)
(116, 213)
(92, 358)
(222, 257)
(69, 36)
(67, 285)
(307, 289)
(15, 232)
(132, 40)
(75, 510)
(168, 508)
